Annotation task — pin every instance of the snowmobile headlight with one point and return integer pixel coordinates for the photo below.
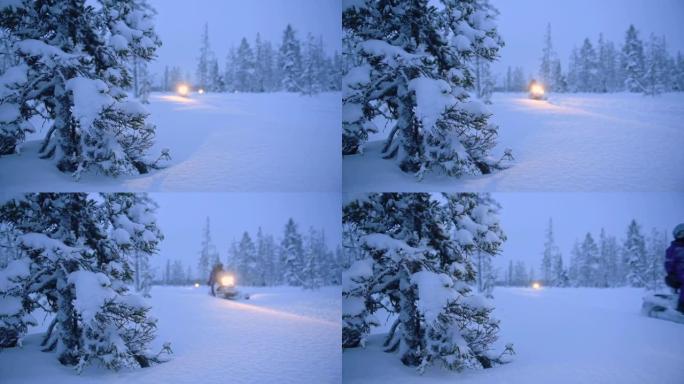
(196, 285)
(228, 280)
(537, 89)
(201, 91)
(536, 285)
(183, 90)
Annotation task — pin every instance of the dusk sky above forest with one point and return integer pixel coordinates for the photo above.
(179, 24)
(525, 216)
(182, 216)
(522, 24)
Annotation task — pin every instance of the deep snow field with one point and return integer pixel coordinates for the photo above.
(573, 142)
(560, 335)
(279, 335)
(268, 142)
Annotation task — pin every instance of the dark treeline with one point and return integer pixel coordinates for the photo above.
(260, 66)
(260, 259)
(636, 65)
(598, 261)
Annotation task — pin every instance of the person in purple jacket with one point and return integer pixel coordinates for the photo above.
(674, 264)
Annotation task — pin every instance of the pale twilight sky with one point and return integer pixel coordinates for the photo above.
(524, 217)
(522, 24)
(181, 216)
(179, 23)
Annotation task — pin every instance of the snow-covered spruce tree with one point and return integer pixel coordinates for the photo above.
(166, 83)
(634, 255)
(560, 82)
(15, 304)
(358, 302)
(7, 58)
(292, 255)
(416, 72)
(519, 83)
(290, 61)
(485, 211)
(632, 61)
(316, 260)
(656, 78)
(267, 62)
(547, 61)
(612, 256)
(484, 80)
(134, 228)
(336, 275)
(587, 80)
(417, 270)
(605, 262)
(552, 261)
(573, 69)
(266, 251)
(175, 77)
(588, 272)
(229, 71)
(189, 276)
(208, 256)
(575, 262)
(177, 273)
(145, 83)
(336, 72)
(244, 68)
(560, 273)
(679, 72)
(233, 256)
(216, 83)
(8, 244)
(260, 65)
(248, 268)
(521, 277)
(79, 265)
(313, 64)
(73, 71)
(133, 19)
(656, 245)
(607, 69)
(204, 59)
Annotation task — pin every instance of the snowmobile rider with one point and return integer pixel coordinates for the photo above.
(214, 277)
(674, 264)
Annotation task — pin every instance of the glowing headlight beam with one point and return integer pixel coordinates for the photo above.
(537, 89)
(228, 280)
(183, 90)
(536, 285)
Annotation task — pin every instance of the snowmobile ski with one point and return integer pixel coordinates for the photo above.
(662, 306)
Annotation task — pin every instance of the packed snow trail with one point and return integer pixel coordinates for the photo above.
(573, 142)
(269, 142)
(560, 336)
(280, 335)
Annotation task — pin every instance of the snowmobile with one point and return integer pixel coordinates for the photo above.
(537, 91)
(662, 306)
(183, 90)
(226, 288)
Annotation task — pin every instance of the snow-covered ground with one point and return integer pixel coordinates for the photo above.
(575, 142)
(560, 336)
(269, 142)
(280, 335)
